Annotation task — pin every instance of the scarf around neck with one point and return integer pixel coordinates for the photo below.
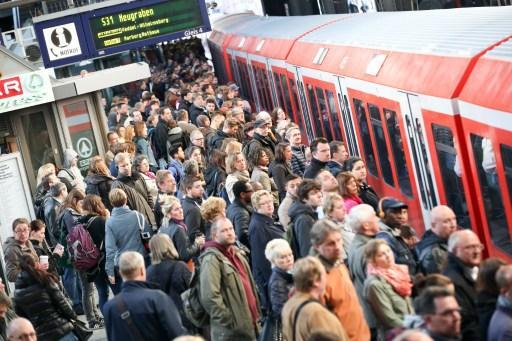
(397, 276)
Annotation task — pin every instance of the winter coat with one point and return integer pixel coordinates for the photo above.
(282, 212)
(99, 185)
(386, 304)
(357, 266)
(42, 249)
(279, 286)
(501, 322)
(138, 195)
(262, 230)
(303, 217)
(231, 179)
(465, 293)
(176, 168)
(153, 313)
(142, 147)
(312, 317)
(279, 171)
(224, 297)
(298, 161)
(486, 305)
(403, 255)
(12, 254)
(263, 142)
(160, 140)
(340, 297)
(122, 233)
(432, 253)
(214, 178)
(335, 167)
(186, 249)
(51, 207)
(314, 168)
(369, 196)
(216, 140)
(46, 307)
(240, 216)
(193, 218)
(260, 174)
(173, 277)
(194, 113)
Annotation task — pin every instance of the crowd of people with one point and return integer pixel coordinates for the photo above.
(200, 198)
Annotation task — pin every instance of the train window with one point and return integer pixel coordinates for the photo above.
(279, 91)
(260, 86)
(266, 90)
(371, 164)
(349, 127)
(245, 81)
(315, 115)
(287, 103)
(490, 191)
(336, 126)
(506, 155)
(380, 141)
(451, 173)
(305, 111)
(397, 147)
(324, 113)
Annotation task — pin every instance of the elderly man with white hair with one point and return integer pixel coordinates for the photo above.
(464, 257)
(363, 221)
(21, 329)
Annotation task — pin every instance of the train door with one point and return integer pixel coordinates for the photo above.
(262, 84)
(346, 118)
(303, 103)
(422, 164)
(243, 76)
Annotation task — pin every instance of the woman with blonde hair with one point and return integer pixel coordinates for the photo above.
(98, 180)
(236, 168)
(211, 209)
(172, 275)
(173, 225)
(388, 287)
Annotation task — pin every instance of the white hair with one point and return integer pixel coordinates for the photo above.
(263, 115)
(275, 248)
(455, 237)
(359, 215)
(129, 262)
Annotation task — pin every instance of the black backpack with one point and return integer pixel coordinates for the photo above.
(290, 237)
(194, 310)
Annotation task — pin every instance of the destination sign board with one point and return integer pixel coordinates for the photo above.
(144, 23)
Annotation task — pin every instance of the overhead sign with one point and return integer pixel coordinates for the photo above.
(98, 30)
(144, 23)
(62, 41)
(25, 90)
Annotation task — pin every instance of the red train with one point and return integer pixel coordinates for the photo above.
(425, 98)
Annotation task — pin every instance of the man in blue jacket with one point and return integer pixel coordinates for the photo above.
(140, 311)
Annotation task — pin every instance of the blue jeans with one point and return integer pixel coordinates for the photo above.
(72, 285)
(102, 284)
(69, 337)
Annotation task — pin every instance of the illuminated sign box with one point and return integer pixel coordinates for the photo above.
(104, 30)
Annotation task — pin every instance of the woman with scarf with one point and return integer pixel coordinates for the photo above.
(174, 226)
(388, 287)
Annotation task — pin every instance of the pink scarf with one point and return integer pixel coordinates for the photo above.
(397, 275)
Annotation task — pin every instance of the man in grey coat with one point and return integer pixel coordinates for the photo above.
(122, 233)
(363, 221)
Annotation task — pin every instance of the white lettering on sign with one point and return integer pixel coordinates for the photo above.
(62, 41)
(10, 87)
(84, 147)
(25, 90)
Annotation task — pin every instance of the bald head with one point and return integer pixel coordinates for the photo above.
(443, 221)
(466, 246)
(21, 329)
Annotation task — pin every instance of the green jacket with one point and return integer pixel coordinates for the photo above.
(224, 298)
(387, 305)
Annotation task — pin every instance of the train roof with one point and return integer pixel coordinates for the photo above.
(461, 32)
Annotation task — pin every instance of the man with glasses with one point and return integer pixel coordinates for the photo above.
(440, 312)
(21, 329)
(464, 257)
(197, 140)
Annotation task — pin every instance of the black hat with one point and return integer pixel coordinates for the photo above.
(392, 203)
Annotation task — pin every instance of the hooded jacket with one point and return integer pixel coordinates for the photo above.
(72, 174)
(303, 217)
(12, 254)
(432, 253)
(46, 307)
(100, 185)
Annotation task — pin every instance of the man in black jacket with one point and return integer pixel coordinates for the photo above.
(196, 108)
(140, 311)
(160, 136)
(261, 138)
(193, 187)
(240, 210)
(464, 257)
(432, 250)
(229, 129)
(321, 153)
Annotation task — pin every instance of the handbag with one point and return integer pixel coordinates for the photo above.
(272, 330)
(81, 331)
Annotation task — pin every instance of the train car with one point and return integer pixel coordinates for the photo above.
(423, 97)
